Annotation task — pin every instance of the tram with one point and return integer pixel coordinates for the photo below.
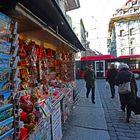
(101, 64)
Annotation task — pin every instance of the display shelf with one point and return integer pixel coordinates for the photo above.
(7, 134)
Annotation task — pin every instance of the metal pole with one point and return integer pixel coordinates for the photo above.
(128, 39)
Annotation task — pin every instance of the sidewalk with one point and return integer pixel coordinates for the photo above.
(101, 121)
(87, 120)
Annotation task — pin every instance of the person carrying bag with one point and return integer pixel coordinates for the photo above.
(127, 89)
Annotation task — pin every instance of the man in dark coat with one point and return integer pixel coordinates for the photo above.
(128, 99)
(90, 82)
(111, 75)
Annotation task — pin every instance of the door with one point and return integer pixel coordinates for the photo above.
(100, 68)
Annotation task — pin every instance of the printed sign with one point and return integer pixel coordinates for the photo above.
(56, 123)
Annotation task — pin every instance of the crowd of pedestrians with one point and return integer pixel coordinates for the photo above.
(121, 77)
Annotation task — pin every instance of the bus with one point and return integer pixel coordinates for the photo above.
(101, 63)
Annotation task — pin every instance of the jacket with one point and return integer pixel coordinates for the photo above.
(90, 78)
(111, 75)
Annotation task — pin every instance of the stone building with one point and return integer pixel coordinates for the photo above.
(124, 30)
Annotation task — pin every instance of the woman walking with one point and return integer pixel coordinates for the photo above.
(127, 89)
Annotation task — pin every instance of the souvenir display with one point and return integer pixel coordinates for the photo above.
(36, 92)
(6, 107)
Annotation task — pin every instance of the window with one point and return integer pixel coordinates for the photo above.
(122, 51)
(132, 41)
(131, 31)
(131, 10)
(134, 2)
(129, 4)
(131, 51)
(121, 33)
(122, 42)
(121, 12)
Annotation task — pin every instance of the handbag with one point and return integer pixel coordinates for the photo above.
(125, 88)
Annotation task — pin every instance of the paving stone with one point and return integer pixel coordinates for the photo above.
(114, 138)
(121, 134)
(116, 118)
(112, 134)
(123, 138)
(78, 133)
(111, 128)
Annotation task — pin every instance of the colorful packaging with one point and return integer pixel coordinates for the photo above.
(7, 112)
(4, 27)
(4, 97)
(5, 46)
(4, 71)
(6, 125)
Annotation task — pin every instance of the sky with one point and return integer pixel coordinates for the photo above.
(96, 16)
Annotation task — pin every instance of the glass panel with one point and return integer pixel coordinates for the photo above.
(99, 66)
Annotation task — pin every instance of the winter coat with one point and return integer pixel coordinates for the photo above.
(123, 76)
(111, 76)
(90, 78)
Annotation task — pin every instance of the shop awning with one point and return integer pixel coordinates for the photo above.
(50, 13)
(30, 27)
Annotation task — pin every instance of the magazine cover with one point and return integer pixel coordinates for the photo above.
(4, 27)
(4, 71)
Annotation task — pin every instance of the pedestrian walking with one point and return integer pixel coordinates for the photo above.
(111, 76)
(127, 89)
(78, 73)
(90, 82)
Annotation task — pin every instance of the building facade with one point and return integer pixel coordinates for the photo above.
(124, 30)
(77, 25)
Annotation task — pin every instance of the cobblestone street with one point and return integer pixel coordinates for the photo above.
(102, 121)
(117, 127)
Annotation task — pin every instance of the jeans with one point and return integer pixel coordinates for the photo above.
(112, 88)
(93, 93)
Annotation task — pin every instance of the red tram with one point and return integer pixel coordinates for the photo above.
(102, 62)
